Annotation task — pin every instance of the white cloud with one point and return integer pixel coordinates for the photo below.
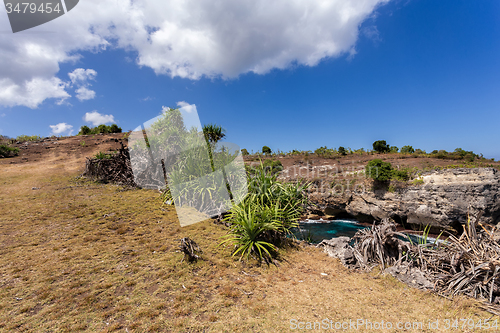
(222, 39)
(31, 93)
(2, 115)
(61, 128)
(80, 76)
(189, 108)
(96, 118)
(84, 94)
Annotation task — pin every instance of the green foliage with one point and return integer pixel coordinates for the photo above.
(379, 170)
(381, 146)
(24, 138)
(402, 174)
(244, 152)
(407, 150)
(393, 149)
(342, 151)
(102, 156)
(84, 130)
(458, 154)
(418, 181)
(260, 223)
(104, 129)
(114, 129)
(7, 151)
(266, 150)
(82, 143)
(213, 133)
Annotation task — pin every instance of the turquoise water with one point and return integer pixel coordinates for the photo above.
(319, 230)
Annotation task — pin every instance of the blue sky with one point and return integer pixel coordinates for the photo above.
(422, 73)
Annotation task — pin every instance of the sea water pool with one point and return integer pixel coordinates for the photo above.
(317, 230)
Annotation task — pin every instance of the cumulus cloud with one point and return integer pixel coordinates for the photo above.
(84, 94)
(31, 93)
(189, 108)
(96, 118)
(82, 76)
(61, 128)
(222, 39)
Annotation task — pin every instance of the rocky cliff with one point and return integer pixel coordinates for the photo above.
(441, 201)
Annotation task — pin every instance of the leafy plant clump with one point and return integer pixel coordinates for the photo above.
(24, 138)
(379, 170)
(6, 151)
(260, 223)
(381, 146)
(103, 156)
(104, 129)
(266, 150)
(269, 165)
(407, 150)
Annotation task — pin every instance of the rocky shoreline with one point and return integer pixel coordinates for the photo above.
(442, 200)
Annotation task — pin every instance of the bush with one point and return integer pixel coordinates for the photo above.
(381, 146)
(102, 156)
(266, 150)
(272, 166)
(342, 151)
(379, 170)
(407, 150)
(7, 151)
(393, 149)
(402, 175)
(85, 130)
(260, 223)
(244, 152)
(114, 129)
(24, 138)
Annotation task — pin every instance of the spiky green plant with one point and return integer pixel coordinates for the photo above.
(249, 225)
(274, 208)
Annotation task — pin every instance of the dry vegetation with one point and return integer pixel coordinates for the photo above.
(83, 256)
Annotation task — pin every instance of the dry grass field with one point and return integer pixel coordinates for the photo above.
(82, 256)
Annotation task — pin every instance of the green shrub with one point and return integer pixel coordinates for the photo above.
(418, 181)
(342, 151)
(7, 151)
(114, 129)
(24, 138)
(244, 152)
(393, 149)
(260, 223)
(266, 150)
(381, 146)
(407, 150)
(402, 175)
(379, 170)
(85, 130)
(102, 156)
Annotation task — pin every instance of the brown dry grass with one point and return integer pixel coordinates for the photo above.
(82, 256)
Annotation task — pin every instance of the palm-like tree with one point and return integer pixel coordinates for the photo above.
(213, 133)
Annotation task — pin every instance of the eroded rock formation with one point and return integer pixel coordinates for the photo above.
(443, 200)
